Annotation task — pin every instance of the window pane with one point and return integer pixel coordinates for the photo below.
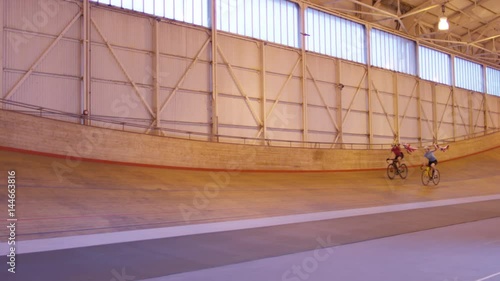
(269, 20)
(493, 81)
(434, 65)
(468, 75)
(335, 36)
(392, 52)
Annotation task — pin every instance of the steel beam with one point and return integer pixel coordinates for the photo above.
(383, 109)
(338, 92)
(273, 106)
(214, 44)
(422, 111)
(380, 11)
(134, 85)
(240, 87)
(41, 57)
(263, 89)
(419, 114)
(434, 113)
(396, 106)
(184, 75)
(2, 8)
(465, 124)
(485, 101)
(471, 113)
(453, 98)
(304, 76)
(323, 99)
(156, 73)
(481, 108)
(290, 75)
(354, 97)
(444, 111)
(368, 73)
(407, 105)
(86, 102)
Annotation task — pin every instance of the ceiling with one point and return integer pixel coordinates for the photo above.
(474, 24)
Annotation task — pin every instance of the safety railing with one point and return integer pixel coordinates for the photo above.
(144, 126)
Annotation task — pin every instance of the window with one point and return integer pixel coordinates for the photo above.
(493, 81)
(392, 52)
(434, 65)
(468, 75)
(190, 11)
(335, 36)
(270, 20)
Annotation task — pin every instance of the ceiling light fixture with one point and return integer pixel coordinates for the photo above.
(443, 21)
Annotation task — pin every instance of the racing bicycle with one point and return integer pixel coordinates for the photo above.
(427, 175)
(393, 170)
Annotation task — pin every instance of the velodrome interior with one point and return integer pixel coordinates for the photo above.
(129, 167)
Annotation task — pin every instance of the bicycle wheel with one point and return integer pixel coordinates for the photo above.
(437, 177)
(391, 172)
(425, 177)
(403, 171)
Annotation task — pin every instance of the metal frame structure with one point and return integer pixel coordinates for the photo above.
(420, 22)
(367, 102)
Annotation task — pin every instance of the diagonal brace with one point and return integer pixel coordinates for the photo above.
(137, 91)
(42, 56)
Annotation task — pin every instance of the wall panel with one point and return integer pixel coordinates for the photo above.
(40, 17)
(182, 41)
(358, 100)
(133, 32)
(292, 91)
(59, 93)
(351, 74)
(280, 60)
(233, 48)
(321, 68)
(320, 119)
(286, 116)
(326, 93)
(57, 81)
(119, 100)
(233, 110)
(383, 80)
(186, 107)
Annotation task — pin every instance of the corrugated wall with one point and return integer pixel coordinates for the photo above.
(260, 86)
(31, 27)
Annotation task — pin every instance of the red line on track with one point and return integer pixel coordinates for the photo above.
(53, 155)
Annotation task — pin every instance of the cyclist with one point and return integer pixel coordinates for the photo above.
(432, 160)
(398, 154)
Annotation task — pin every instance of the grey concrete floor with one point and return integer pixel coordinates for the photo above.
(464, 252)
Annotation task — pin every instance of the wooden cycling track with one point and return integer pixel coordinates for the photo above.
(100, 197)
(109, 198)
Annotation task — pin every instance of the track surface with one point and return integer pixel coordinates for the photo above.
(94, 198)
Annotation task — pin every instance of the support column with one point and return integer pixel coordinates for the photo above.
(263, 78)
(453, 112)
(369, 79)
(419, 113)
(485, 101)
(453, 97)
(304, 71)
(434, 115)
(2, 8)
(396, 106)
(471, 114)
(215, 114)
(86, 102)
(156, 78)
(338, 92)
